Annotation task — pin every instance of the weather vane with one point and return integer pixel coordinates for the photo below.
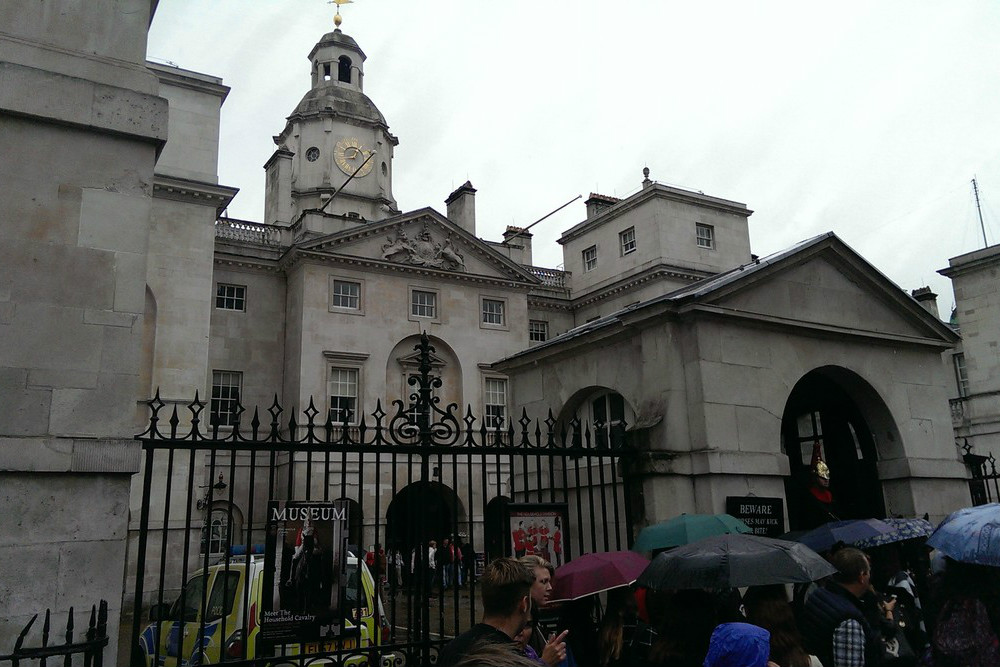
(336, 19)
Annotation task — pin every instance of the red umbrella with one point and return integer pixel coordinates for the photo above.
(593, 573)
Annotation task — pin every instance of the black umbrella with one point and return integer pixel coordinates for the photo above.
(734, 561)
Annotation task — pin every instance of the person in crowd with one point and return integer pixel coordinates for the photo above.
(768, 607)
(488, 654)
(431, 565)
(965, 631)
(833, 621)
(523, 639)
(397, 566)
(623, 639)
(541, 592)
(506, 596)
(578, 618)
(684, 622)
(468, 560)
(456, 562)
(444, 562)
(738, 645)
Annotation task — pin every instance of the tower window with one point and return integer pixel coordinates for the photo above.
(344, 69)
(326, 71)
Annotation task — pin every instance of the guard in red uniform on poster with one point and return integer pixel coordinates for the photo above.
(520, 537)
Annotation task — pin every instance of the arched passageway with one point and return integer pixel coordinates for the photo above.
(496, 527)
(423, 511)
(839, 410)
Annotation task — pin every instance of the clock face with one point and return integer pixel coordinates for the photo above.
(349, 154)
(312, 154)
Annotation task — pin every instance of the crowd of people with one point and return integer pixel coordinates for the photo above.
(878, 609)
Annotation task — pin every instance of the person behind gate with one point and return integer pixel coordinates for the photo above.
(505, 588)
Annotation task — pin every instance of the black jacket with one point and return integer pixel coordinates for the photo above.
(823, 611)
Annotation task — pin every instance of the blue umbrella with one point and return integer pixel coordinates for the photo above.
(970, 535)
(848, 532)
(902, 530)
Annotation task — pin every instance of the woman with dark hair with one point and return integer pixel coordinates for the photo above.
(769, 608)
(687, 620)
(623, 640)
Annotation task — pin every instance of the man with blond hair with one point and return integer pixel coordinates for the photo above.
(505, 587)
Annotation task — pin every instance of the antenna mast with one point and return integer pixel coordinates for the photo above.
(979, 210)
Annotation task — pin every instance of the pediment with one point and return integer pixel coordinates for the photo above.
(424, 240)
(831, 286)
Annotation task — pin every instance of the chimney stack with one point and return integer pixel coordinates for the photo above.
(518, 242)
(462, 207)
(927, 299)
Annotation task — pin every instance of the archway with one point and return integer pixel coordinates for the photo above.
(842, 412)
(355, 522)
(495, 528)
(420, 512)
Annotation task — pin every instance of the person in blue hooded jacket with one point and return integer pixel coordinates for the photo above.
(739, 645)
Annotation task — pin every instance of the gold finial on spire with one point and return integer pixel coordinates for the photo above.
(337, 20)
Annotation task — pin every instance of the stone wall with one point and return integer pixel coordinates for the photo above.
(80, 128)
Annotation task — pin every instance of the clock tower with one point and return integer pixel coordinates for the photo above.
(334, 133)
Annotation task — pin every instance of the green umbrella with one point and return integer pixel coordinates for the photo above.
(685, 529)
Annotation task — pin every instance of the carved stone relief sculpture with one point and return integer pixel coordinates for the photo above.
(423, 251)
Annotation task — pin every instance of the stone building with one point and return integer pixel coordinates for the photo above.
(663, 329)
(974, 363)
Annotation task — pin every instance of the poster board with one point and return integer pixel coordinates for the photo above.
(540, 529)
(305, 568)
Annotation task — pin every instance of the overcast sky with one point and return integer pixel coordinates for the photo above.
(865, 118)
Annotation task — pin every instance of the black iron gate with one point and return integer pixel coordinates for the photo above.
(418, 474)
(984, 486)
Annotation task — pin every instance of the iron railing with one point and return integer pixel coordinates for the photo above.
(91, 647)
(417, 472)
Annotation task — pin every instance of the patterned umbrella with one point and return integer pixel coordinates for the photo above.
(685, 529)
(594, 573)
(970, 535)
(848, 532)
(902, 530)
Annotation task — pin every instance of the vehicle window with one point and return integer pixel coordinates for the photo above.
(353, 585)
(191, 599)
(223, 594)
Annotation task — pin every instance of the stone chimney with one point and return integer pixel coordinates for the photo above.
(927, 299)
(462, 207)
(597, 203)
(518, 242)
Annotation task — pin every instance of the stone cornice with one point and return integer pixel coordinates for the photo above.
(632, 281)
(193, 192)
(181, 78)
(296, 255)
(542, 303)
(252, 263)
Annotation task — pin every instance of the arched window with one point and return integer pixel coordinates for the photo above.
(344, 69)
(215, 536)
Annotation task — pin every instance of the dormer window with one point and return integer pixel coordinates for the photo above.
(344, 69)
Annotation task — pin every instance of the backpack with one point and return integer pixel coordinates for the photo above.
(964, 636)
